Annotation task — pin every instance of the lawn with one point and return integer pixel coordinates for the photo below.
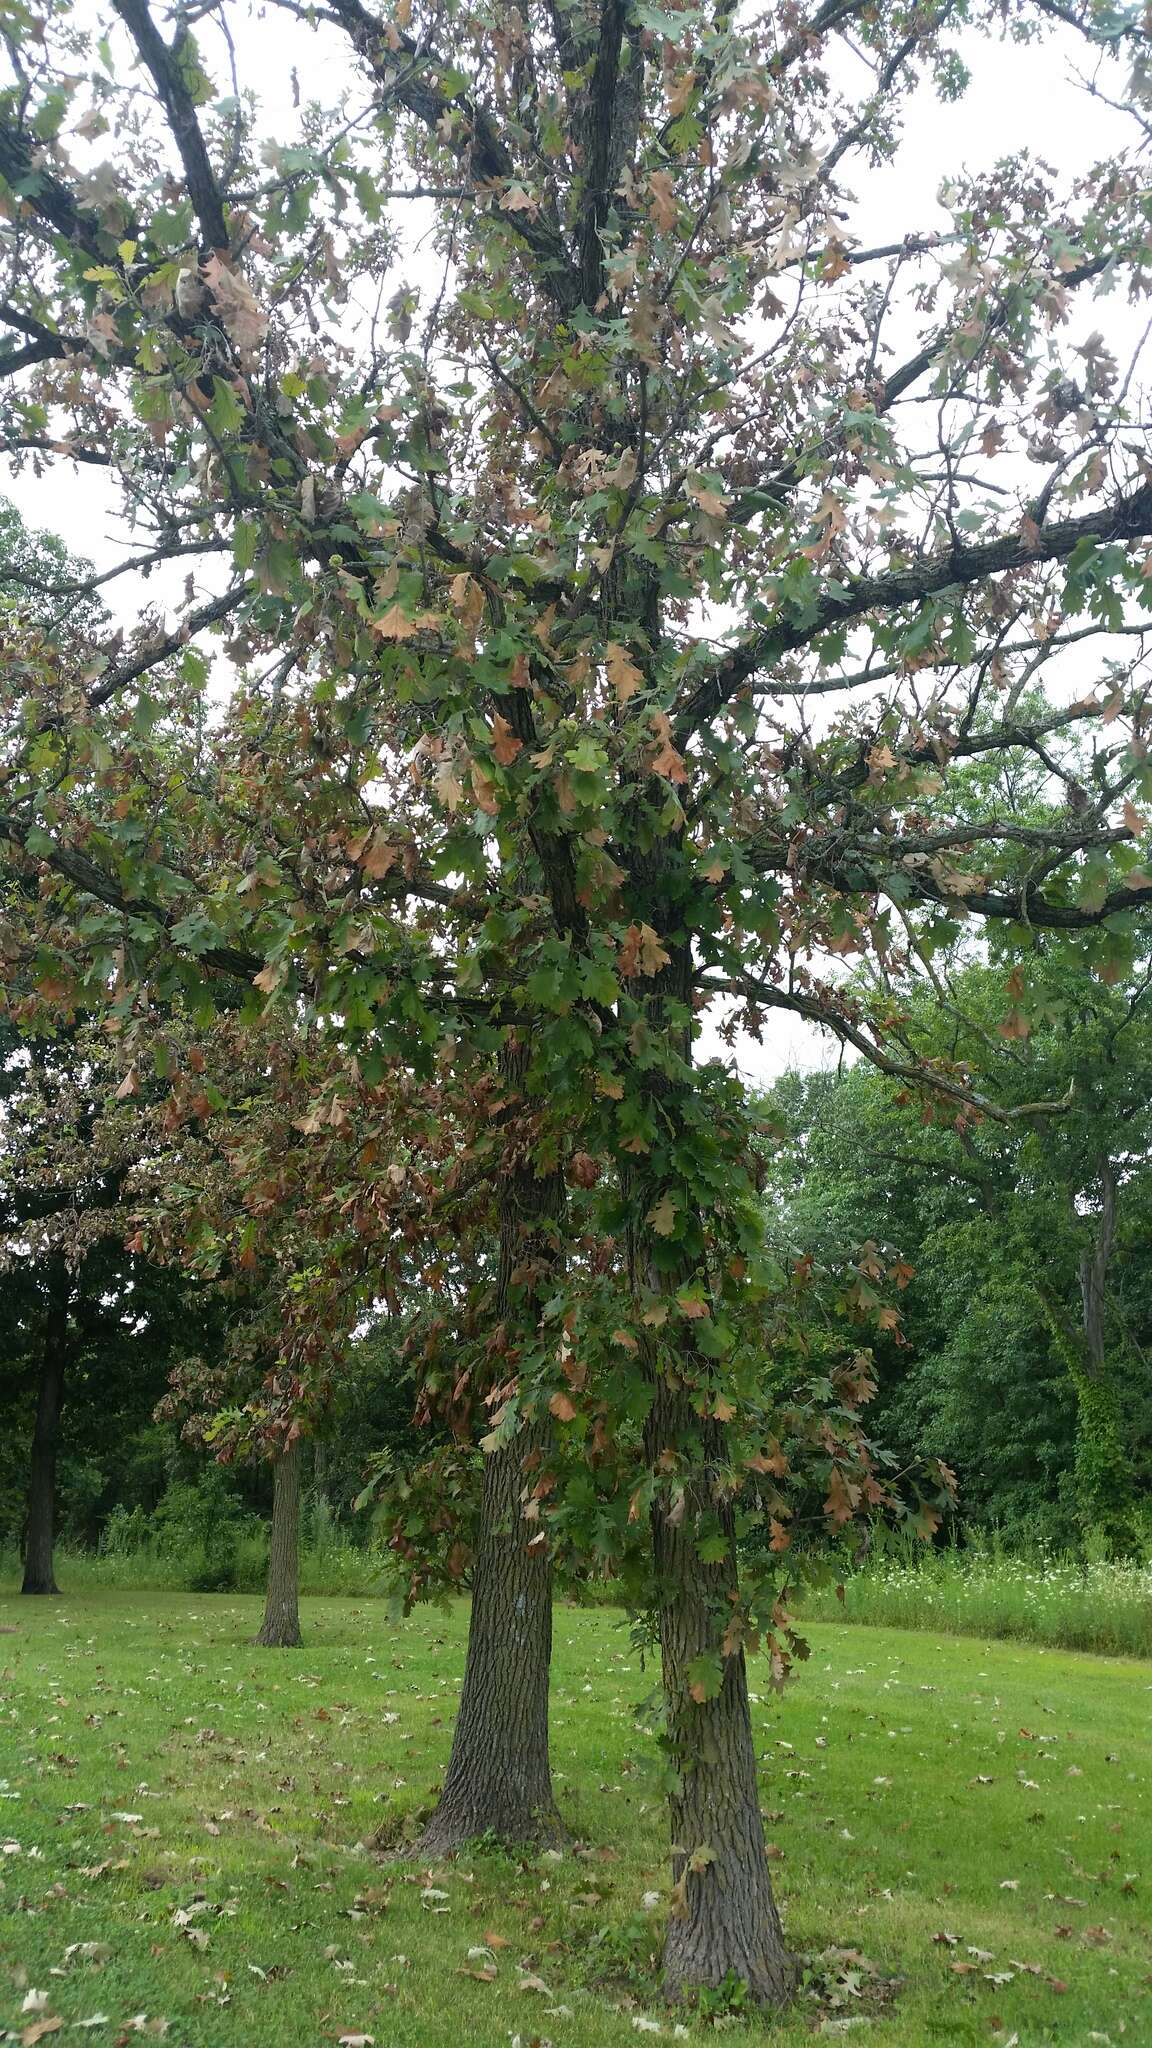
(962, 1837)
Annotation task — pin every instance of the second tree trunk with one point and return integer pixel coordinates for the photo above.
(724, 1927)
(280, 1629)
(499, 1780)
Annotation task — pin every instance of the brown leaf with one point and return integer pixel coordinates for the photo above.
(664, 209)
(395, 624)
(562, 1408)
(842, 1499)
(484, 790)
(505, 745)
(692, 1306)
(708, 500)
(622, 672)
(665, 760)
(240, 316)
(376, 855)
(641, 952)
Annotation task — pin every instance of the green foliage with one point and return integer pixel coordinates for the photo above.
(996, 1223)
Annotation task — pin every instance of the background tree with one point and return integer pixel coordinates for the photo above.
(1027, 1316)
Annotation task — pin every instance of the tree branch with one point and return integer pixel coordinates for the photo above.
(180, 110)
(755, 990)
(952, 568)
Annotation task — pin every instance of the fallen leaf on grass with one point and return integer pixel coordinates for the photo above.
(38, 2029)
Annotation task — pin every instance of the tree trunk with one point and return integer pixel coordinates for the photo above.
(280, 1629)
(724, 1928)
(1103, 1458)
(39, 1572)
(724, 1924)
(499, 1780)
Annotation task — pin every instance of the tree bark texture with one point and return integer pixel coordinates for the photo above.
(39, 1569)
(724, 1924)
(280, 1628)
(499, 1779)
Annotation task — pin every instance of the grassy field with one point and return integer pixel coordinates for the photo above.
(1062, 1602)
(975, 1589)
(962, 1838)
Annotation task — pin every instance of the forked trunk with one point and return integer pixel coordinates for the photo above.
(499, 1780)
(724, 1924)
(280, 1629)
(39, 1570)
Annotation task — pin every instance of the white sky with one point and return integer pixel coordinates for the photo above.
(1022, 97)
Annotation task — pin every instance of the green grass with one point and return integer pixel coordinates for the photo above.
(1057, 1601)
(917, 1788)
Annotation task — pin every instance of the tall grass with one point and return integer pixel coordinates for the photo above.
(1062, 1602)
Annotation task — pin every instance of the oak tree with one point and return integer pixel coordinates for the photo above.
(614, 595)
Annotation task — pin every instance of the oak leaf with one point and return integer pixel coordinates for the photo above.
(665, 760)
(622, 672)
(505, 745)
(663, 209)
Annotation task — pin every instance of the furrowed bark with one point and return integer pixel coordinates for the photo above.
(724, 1924)
(280, 1628)
(499, 1779)
(39, 1569)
